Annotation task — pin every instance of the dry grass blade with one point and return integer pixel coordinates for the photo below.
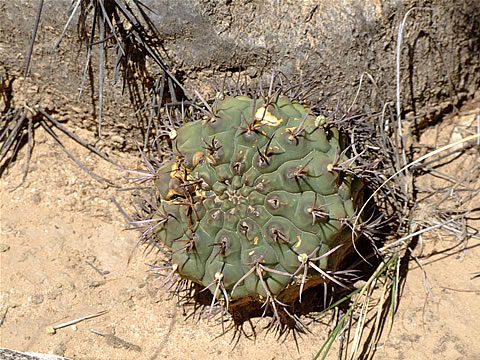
(343, 323)
(22, 123)
(389, 292)
(398, 58)
(69, 154)
(101, 67)
(34, 35)
(14, 122)
(76, 138)
(52, 328)
(66, 26)
(417, 161)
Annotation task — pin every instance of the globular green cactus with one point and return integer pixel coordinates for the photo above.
(255, 202)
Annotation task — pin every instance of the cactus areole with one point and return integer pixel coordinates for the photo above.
(254, 206)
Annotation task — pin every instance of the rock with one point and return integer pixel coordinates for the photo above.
(37, 299)
(19, 355)
(330, 42)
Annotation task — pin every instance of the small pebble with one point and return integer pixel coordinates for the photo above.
(4, 247)
(94, 284)
(60, 349)
(36, 198)
(37, 299)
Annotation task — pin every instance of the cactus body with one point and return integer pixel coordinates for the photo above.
(253, 194)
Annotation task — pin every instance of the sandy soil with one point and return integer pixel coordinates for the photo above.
(61, 224)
